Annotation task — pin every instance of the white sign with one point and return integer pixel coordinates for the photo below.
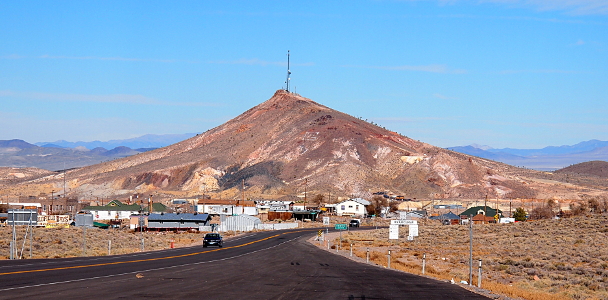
(413, 230)
(393, 232)
(404, 222)
(325, 220)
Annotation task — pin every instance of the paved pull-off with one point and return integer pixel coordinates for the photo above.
(266, 265)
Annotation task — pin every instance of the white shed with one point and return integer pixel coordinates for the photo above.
(239, 223)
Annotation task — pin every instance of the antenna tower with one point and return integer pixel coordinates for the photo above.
(288, 72)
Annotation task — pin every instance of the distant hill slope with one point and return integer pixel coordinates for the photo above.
(595, 168)
(290, 144)
(545, 159)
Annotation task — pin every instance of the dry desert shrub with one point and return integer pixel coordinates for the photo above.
(69, 242)
(544, 259)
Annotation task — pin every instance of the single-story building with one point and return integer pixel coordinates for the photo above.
(226, 207)
(352, 207)
(449, 218)
(174, 221)
(115, 210)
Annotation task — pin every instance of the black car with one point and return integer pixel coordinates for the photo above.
(212, 239)
(354, 223)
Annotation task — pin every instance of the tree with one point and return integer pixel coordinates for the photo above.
(377, 203)
(318, 199)
(579, 209)
(520, 214)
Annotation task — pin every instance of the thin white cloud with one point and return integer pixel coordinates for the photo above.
(440, 96)
(579, 43)
(574, 7)
(113, 98)
(257, 62)
(12, 56)
(46, 56)
(442, 69)
(411, 120)
(548, 71)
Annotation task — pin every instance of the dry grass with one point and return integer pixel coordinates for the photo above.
(68, 242)
(548, 259)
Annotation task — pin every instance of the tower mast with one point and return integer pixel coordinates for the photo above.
(288, 72)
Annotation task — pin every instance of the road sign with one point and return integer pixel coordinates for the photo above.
(325, 220)
(404, 222)
(393, 232)
(413, 230)
(320, 233)
(341, 227)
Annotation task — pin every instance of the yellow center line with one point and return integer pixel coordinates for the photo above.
(143, 260)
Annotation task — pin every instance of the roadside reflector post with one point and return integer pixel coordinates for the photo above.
(109, 247)
(479, 275)
(423, 263)
(142, 244)
(367, 255)
(84, 240)
(389, 259)
(351, 249)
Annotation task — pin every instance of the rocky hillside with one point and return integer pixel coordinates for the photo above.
(290, 143)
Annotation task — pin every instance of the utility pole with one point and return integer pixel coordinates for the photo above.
(485, 209)
(305, 186)
(471, 250)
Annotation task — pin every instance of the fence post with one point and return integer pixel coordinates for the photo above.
(423, 263)
(389, 259)
(479, 275)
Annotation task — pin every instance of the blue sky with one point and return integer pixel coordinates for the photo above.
(504, 73)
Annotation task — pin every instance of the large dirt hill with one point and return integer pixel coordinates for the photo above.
(290, 143)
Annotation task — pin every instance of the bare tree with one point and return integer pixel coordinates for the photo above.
(318, 199)
(377, 203)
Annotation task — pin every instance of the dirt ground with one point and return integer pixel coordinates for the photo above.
(545, 259)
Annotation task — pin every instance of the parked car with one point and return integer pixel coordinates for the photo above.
(354, 223)
(212, 239)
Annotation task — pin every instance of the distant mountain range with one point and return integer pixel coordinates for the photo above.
(67, 155)
(53, 155)
(144, 141)
(546, 159)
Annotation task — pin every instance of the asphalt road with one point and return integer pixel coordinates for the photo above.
(265, 265)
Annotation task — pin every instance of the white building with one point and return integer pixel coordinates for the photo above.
(113, 210)
(226, 207)
(352, 207)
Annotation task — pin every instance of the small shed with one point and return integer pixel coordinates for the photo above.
(175, 221)
(239, 223)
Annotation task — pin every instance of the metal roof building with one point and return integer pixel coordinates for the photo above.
(173, 221)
